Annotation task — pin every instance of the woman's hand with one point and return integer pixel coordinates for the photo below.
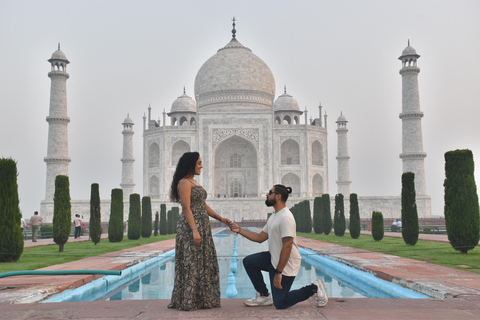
(196, 237)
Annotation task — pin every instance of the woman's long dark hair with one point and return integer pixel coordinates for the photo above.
(185, 167)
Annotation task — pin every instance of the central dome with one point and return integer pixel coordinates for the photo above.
(234, 75)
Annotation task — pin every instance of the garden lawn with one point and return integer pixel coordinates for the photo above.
(44, 256)
(433, 252)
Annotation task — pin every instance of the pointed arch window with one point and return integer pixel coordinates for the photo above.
(235, 161)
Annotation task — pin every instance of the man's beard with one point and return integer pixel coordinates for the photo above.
(269, 203)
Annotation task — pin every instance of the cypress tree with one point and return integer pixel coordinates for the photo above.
(326, 214)
(95, 224)
(317, 220)
(339, 218)
(146, 217)
(377, 226)
(62, 212)
(115, 224)
(461, 200)
(11, 236)
(410, 229)
(169, 222)
(134, 218)
(155, 224)
(354, 217)
(163, 219)
(307, 215)
(176, 215)
(296, 213)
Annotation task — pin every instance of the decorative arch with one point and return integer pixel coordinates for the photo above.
(193, 121)
(183, 121)
(317, 153)
(290, 152)
(174, 121)
(154, 187)
(296, 120)
(235, 172)
(154, 156)
(178, 149)
(287, 120)
(317, 185)
(277, 120)
(293, 181)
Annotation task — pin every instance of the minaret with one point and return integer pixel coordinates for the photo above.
(412, 142)
(127, 159)
(343, 173)
(57, 159)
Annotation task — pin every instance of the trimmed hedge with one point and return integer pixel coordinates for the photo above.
(134, 218)
(146, 217)
(377, 226)
(410, 229)
(461, 200)
(339, 225)
(115, 224)
(326, 214)
(163, 219)
(176, 215)
(11, 236)
(155, 224)
(95, 223)
(354, 226)
(62, 211)
(317, 219)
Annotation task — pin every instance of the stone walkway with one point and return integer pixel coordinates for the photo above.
(457, 292)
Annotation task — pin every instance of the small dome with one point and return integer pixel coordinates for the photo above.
(409, 51)
(184, 103)
(285, 103)
(128, 120)
(342, 118)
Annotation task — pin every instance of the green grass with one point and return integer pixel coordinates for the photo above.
(44, 256)
(432, 252)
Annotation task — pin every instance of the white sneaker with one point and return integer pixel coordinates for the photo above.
(259, 300)
(321, 295)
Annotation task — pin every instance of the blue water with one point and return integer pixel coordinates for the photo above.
(153, 279)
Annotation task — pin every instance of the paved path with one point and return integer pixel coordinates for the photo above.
(461, 288)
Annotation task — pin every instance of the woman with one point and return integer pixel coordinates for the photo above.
(197, 283)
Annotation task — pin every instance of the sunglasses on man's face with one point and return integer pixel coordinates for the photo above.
(270, 192)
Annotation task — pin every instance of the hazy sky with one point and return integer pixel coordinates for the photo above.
(125, 55)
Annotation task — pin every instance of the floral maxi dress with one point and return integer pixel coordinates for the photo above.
(197, 280)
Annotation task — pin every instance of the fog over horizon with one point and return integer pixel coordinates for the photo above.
(126, 56)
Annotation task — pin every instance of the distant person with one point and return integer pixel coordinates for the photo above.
(197, 278)
(399, 225)
(78, 226)
(35, 221)
(281, 261)
(23, 224)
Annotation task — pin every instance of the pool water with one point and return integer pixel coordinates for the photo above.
(153, 279)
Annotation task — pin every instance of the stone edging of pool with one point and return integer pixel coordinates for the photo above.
(427, 278)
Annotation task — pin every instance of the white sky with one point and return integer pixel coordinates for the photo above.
(126, 55)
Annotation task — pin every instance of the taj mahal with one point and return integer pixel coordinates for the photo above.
(249, 136)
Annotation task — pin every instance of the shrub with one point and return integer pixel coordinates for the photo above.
(354, 226)
(163, 219)
(176, 215)
(134, 218)
(62, 211)
(410, 229)
(326, 214)
(115, 224)
(146, 217)
(461, 200)
(45, 231)
(377, 226)
(339, 217)
(393, 228)
(427, 230)
(11, 236)
(155, 224)
(95, 223)
(317, 220)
